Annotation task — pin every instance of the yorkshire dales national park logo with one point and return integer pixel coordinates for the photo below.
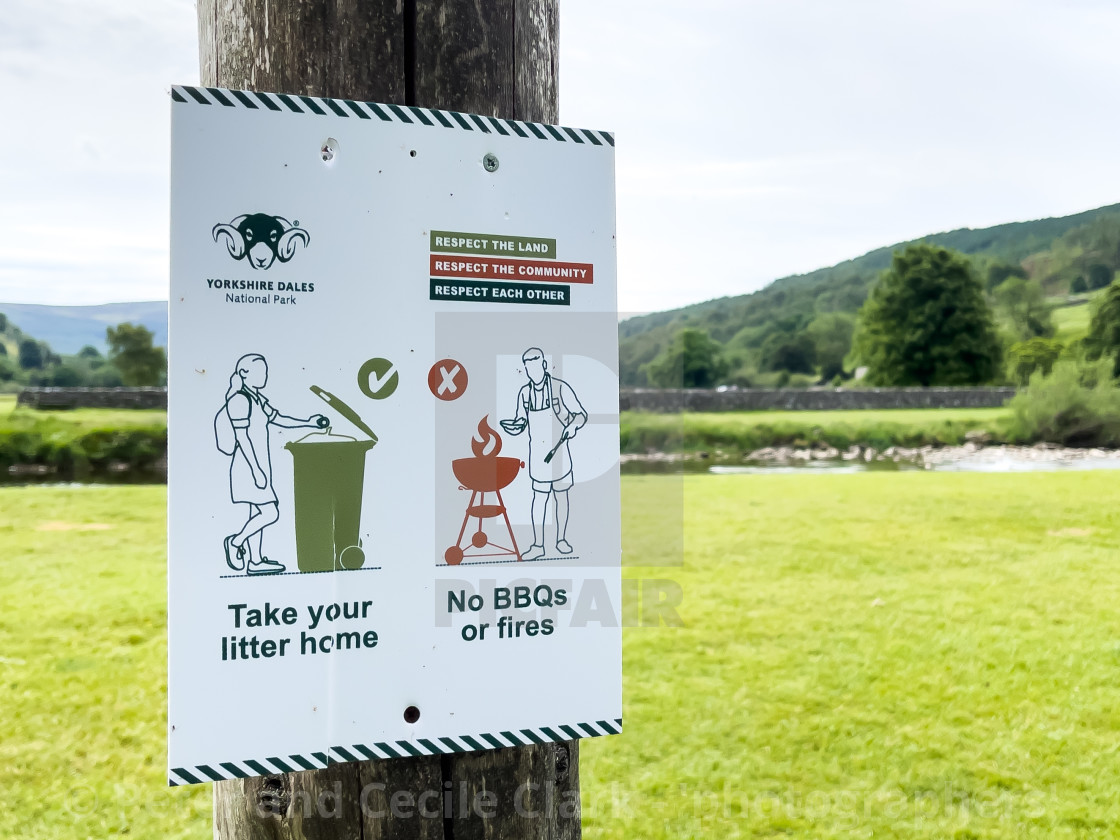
(261, 238)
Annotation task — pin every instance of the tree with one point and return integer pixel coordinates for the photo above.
(1024, 305)
(927, 322)
(1078, 404)
(1099, 276)
(793, 353)
(1036, 354)
(1078, 286)
(999, 272)
(1104, 329)
(64, 376)
(30, 354)
(692, 360)
(132, 352)
(831, 333)
(89, 352)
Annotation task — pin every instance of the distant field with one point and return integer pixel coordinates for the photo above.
(1071, 322)
(909, 655)
(735, 431)
(76, 420)
(83, 440)
(745, 431)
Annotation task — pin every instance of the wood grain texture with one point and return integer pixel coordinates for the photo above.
(316, 805)
(403, 799)
(347, 49)
(464, 55)
(533, 793)
(536, 45)
(493, 57)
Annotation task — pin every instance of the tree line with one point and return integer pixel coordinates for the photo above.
(799, 330)
(933, 317)
(132, 360)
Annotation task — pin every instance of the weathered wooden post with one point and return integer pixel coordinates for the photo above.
(496, 58)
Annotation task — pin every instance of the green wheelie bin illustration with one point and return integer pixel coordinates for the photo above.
(329, 475)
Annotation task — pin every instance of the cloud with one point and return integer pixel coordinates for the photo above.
(754, 139)
(83, 204)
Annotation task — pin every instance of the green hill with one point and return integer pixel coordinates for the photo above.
(69, 328)
(1053, 251)
(63, 346)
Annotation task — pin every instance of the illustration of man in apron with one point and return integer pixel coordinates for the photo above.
(551, 411)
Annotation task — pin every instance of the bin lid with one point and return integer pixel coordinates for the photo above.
(326, 438)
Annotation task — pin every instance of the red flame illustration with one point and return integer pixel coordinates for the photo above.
(488, 437)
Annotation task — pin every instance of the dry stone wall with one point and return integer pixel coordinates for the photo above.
(93, 398)
(660, 401)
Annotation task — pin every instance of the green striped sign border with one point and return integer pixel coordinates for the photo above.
(404, 114)
(396, 749)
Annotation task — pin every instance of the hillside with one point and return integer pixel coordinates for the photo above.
(69, 328)
(1054, 251)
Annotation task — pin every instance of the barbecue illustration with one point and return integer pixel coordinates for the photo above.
(485, 473)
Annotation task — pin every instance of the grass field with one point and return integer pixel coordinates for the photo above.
(76, 420)
(920, 655)
(1071, 322)
(92, 438)
(745, 431)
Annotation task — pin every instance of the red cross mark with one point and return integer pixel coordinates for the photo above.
(447, 380)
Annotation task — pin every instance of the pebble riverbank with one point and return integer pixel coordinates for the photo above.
(971, 455)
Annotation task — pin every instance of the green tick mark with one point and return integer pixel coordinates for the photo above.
(378, 379)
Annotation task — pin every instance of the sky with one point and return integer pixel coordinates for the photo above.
(754, 139)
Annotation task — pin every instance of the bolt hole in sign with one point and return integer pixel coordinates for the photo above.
(393, 435)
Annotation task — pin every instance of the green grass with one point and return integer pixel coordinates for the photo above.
(746, 431)
(1071, 322)
(76, 420)
(919, 655)
(94, 437)
(83, 667)
(889, 655)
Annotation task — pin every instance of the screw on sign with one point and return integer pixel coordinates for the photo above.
(447, 380)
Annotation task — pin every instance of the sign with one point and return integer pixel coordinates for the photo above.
(371, 553)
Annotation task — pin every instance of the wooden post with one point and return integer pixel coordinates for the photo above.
(498, 58)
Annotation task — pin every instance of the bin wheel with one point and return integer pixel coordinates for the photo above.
(352, 557)
(453, 556)
(478, 539)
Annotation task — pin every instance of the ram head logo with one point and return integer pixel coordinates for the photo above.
(262, 239)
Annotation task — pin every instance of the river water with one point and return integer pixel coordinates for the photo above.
(1004, 465)
(968, 458)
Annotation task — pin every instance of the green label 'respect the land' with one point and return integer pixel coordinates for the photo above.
(455, 242)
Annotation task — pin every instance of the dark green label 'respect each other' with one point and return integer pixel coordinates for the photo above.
(488, 291)
(456, 242)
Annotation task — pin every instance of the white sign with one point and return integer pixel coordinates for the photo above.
(393, 434)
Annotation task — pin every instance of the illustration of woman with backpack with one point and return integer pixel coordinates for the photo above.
(242, 430)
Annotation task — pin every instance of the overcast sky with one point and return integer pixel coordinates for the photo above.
(755, 139)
